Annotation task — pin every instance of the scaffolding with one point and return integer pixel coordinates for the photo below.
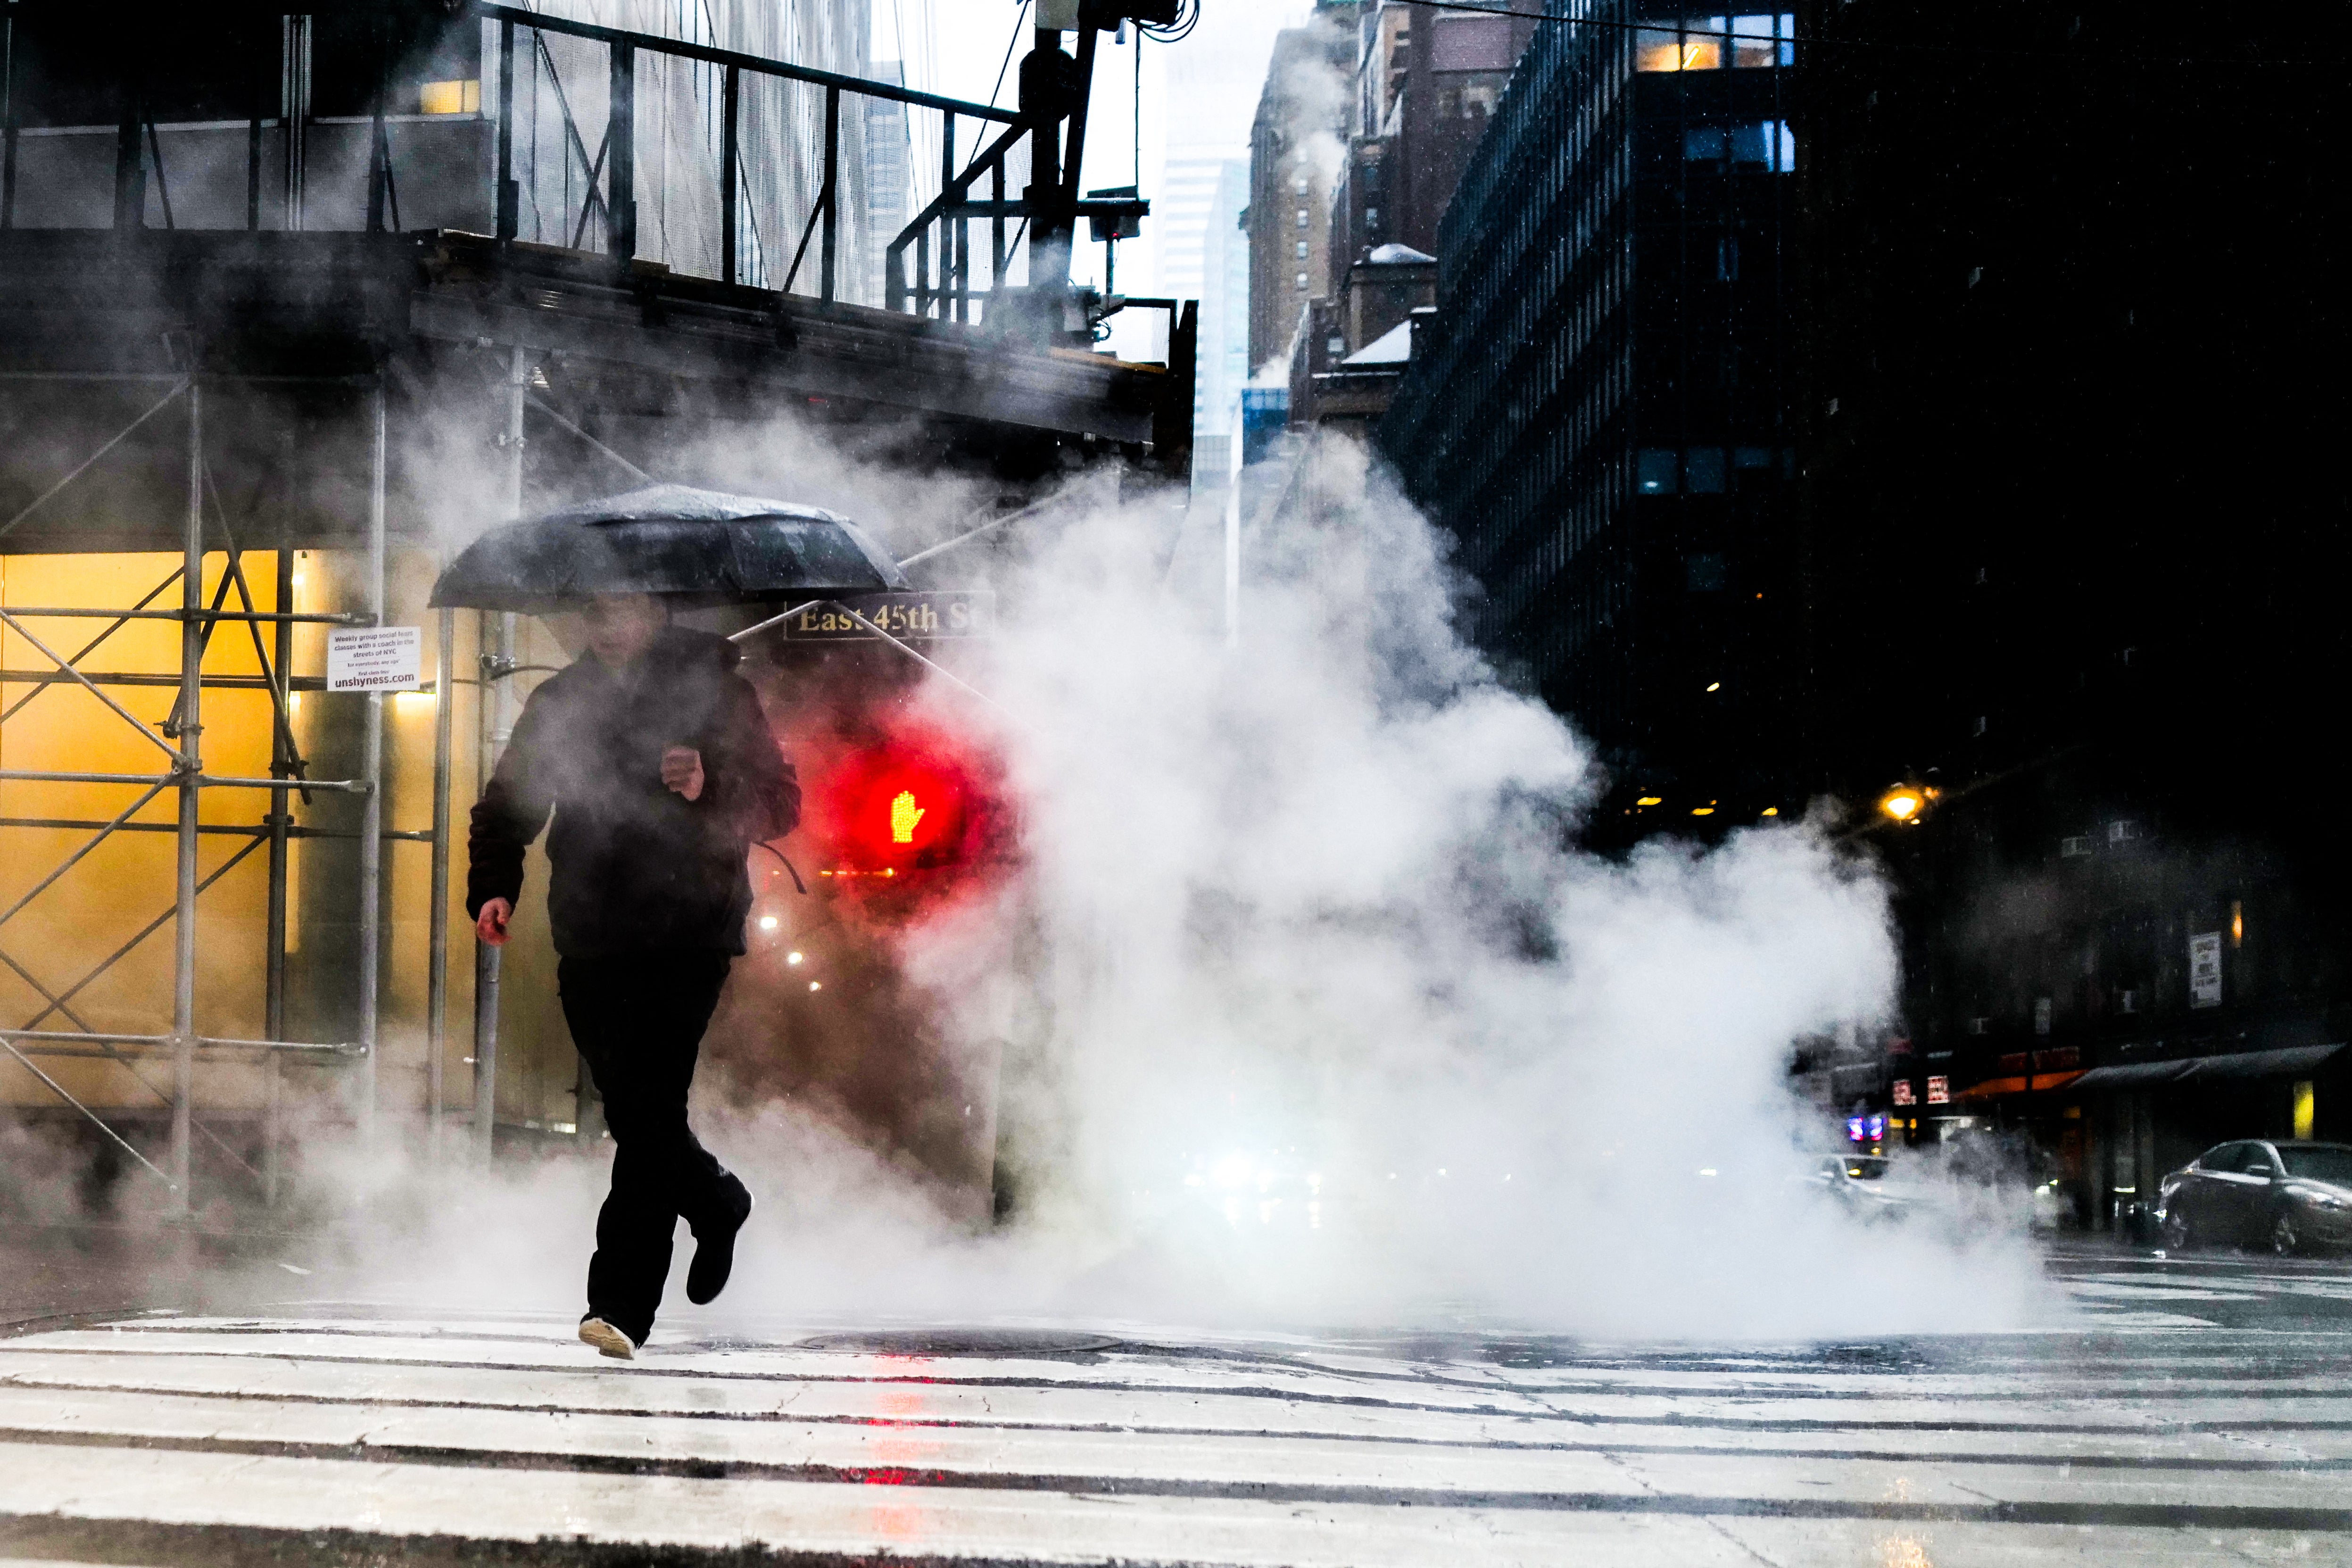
(179, 739)
(209, 286)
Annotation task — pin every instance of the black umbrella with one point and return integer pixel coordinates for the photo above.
(690, 546)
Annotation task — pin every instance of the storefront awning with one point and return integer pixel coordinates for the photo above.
(2132, 1074)
(2040, 1083)
(2291, 1061)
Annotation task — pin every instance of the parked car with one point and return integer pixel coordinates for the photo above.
(2289, 1196)
(1866, 1187)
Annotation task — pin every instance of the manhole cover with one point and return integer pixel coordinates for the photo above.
(962, 1343)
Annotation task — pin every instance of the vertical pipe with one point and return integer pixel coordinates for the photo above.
(621, 157)
(295, 116)
(129, 159)
(190, 744)
(11, 122)
(372, 774)
(832, 185)
(281, 765)
(1044, 193)
(949, 222)
(379, 146)
(730, 102)
(252, 137)
(996, 228)
(509, 194)
(436, 982)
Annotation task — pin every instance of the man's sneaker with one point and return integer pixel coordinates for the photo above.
(714, 1255)
(608, 1340)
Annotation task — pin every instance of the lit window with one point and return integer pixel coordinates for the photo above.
(1653, 471)
(1698, 44)
(1668, 49)
(1302, 217)
(1763, 41)
(1302, 250)
(1302, 281)
(450, 98)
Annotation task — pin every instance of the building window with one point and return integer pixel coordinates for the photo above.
(1653, 471)
(1302, 250)
(1766, 144)
(1703, 470)
(1305, 188)
(1302, 281)
(1302, 217)
(1698, 44)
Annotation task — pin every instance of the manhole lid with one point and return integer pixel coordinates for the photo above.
(962, 1342)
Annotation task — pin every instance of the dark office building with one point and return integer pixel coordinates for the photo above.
(1602, 408)
(2077, 334)
(1302, 114)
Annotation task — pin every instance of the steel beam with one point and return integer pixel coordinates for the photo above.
(190, 737)
(371, 921)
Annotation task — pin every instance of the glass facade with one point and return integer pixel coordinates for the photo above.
(1603, 410)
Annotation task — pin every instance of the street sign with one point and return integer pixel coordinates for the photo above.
(2205, 969)
(1939, 1091)
(375, 658)
(909, 617)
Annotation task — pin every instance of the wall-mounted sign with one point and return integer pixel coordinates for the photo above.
(1903, 1095)
(1939, 1091)
(2205, 969)
(910, 617)
(375, 658)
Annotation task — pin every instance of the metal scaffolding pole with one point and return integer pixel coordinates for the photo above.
(281, 822)
(372, 774)
(190, 770)
(498, 662)
(436, 981)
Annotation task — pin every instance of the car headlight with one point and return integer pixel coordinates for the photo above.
(2323, 1200)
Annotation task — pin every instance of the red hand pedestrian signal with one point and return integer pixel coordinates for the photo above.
(905, 817)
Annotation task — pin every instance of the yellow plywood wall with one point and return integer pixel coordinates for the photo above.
(57, 941)
(123, 885)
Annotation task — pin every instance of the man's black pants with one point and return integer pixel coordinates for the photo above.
(638, 1020)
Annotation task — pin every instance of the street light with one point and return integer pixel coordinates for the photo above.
(1907, 803)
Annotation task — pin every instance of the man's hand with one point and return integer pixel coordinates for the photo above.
(492, 926)
(682, 771)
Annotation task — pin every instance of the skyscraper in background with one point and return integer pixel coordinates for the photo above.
(1210, 87)
(887, 192)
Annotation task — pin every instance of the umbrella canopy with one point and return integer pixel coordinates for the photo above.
(690, 546)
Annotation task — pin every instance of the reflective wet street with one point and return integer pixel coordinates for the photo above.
(2180, 1411)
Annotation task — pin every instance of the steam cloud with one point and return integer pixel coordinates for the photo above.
(1307, 907)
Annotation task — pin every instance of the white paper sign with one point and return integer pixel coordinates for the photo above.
(2205, 969)
(375, 658)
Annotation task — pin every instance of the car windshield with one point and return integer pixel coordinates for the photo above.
(2320, 1163)
(1864, 1167)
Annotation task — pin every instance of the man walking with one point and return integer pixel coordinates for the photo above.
(658, 767)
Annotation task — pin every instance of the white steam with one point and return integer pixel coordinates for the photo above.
(1311, 907)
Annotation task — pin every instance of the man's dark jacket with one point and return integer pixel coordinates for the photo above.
(635, 866)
